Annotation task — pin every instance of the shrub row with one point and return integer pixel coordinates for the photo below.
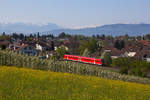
(132, 67)
(84, 69)
(8, 58)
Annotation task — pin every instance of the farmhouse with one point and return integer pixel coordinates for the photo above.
(27, 49)
(42, 46)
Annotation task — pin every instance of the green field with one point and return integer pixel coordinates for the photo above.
(28, 84)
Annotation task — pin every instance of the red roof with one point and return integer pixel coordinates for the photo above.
(23, 46)
(4, 43)
(145, 42)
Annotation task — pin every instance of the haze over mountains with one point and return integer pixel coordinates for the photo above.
(112, 29)
(26, 28)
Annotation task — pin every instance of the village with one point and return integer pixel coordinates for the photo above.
(95, 46)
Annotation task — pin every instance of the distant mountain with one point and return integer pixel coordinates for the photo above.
(26, 28)
(113, 29)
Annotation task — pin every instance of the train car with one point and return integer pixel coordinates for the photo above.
(84, 59)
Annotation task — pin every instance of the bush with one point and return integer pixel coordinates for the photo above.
(61, 51)
(10, 58)
(2, 47)
(140, 68)
(86, 53)
(132, 67)
(107, 59)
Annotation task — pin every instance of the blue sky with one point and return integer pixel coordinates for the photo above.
(75, 13)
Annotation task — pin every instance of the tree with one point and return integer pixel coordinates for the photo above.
(25, 38)
(6, 37)
(103, 36)
(31, 36)
(122, 44)
(52, 36)
(74, 44)
(3, 47)
(139, 37)
(34, 35)
(107, 59)
(126, 36)
(143, 37)
(122, 63)
(3, 33)
(109, 37)
(52, 45)
(61, 51)
(15, 36)
(67, 35)
(62, 35)
(21, 36)
(147, 36)
(92, 46)
(100, 46)
(85, 53)
(38, 35)
(83, 45)
(97, 36)
(93, 36)
(119, 44)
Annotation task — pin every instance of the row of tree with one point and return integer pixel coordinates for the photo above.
(132, 67)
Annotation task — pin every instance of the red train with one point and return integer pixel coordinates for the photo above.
(84, 59)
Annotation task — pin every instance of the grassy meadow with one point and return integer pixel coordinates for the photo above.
(29, 84)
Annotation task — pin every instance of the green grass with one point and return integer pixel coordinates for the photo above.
(28, 84)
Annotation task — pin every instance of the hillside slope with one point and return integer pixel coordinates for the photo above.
(112, 29)
(28, 84)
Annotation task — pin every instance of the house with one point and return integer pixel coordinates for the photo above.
(129, 54)
(4, 44)
(39, 45)
(27, 49)
(15, 45)
(49, 38)
(67, 42)
(42, 46)
(145, 43)
(144, 55)
(66, 48)
(115, 53)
